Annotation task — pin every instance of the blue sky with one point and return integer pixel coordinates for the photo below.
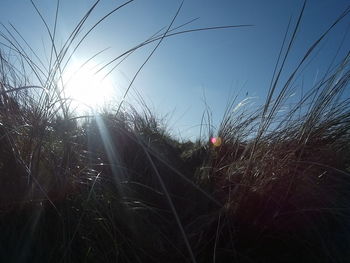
(215, 64)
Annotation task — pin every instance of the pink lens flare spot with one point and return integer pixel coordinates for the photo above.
(216, 141)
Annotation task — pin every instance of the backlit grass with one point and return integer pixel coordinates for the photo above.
(115, 186)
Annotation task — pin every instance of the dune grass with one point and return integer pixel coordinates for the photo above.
(117, 187)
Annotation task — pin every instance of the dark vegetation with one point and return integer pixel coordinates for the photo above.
(116, 187)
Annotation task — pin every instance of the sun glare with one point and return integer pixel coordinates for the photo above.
(87, 89)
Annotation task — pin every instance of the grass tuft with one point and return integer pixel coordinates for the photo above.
(116, 186)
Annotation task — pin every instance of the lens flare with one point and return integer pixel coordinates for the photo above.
(216, 141)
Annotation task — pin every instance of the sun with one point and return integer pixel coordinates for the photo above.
(86, 88)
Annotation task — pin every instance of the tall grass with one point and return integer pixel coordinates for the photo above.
(115, 186)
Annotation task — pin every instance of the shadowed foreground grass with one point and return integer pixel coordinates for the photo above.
(117, 187)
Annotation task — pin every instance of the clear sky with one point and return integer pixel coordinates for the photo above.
(185, 68)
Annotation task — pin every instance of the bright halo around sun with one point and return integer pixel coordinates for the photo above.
(87, 88)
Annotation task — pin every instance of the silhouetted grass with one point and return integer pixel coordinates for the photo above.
(117, 187)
